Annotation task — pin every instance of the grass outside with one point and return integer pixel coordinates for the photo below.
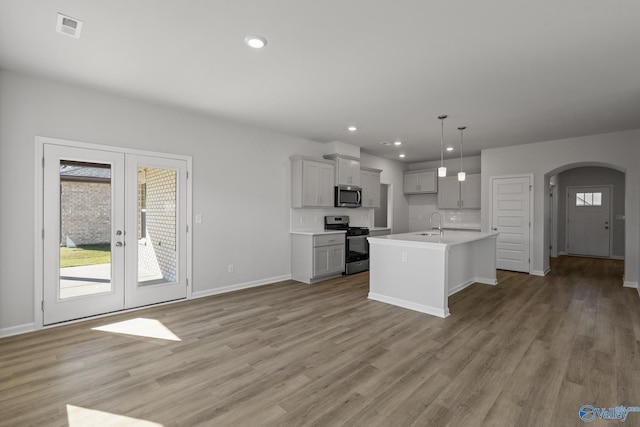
(85, 255)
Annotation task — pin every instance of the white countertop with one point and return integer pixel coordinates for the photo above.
(317, 232)
(454, 226)
(449, 238)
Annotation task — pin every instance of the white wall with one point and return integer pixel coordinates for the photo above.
(241, 182)
(619, 150)
(392, 173)
(471, 164)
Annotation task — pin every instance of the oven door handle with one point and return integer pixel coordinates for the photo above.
(359, 193)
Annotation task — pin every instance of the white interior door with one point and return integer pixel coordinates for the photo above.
(83, 232)
(115, 231)
(588, 221)
(156, 230)
(511, 217)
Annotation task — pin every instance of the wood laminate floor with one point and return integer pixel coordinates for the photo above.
(527, 352)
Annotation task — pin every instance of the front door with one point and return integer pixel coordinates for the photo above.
(114, 231)
(588, 221)
(511, 217)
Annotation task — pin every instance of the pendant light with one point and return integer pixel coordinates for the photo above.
(461, 174)
(442, 171)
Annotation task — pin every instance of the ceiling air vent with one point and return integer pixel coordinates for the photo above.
(68, 26)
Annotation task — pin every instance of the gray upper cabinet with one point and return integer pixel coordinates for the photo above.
(453, 194)
(312, 182)
(420, 181)
(370, 183)
(347, 169)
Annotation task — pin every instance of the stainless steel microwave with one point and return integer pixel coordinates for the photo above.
(348, 196)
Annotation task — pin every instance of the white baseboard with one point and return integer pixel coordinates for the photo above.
(239, 286)
(461, 286)
(434, 311)
(541, 272)
(620, 257)
(468, 283)
(15, 330)
(486, 281)
(628, 284)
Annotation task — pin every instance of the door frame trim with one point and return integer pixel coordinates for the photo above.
(38, 270)
(566, 216)
(530, 176)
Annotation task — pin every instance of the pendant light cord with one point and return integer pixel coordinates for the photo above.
(442, 117)
(461, 128)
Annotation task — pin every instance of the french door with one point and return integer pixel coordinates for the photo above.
(114, 231)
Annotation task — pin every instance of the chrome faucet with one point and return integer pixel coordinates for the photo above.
(440, 229)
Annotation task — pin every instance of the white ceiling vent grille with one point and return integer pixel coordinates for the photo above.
(69, 26)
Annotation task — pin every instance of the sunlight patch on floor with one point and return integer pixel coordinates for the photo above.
(141, 327)
(83, 417)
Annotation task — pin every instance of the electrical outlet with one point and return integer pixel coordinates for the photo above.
(404, 257)
(198, 218)
(231, 268)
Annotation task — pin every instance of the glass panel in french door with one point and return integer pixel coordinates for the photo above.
(85, 229)
(156, 250)
(157, 226)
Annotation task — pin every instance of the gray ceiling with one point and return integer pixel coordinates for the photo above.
(514, 72)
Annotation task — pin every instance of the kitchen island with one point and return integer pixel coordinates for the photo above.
(420, 270)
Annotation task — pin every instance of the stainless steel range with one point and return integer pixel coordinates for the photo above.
(357, 247)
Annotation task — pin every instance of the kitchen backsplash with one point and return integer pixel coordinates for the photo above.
(313, 219)
(422, 206)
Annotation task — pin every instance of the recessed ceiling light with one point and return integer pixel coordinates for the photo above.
(256, 42)
(68, 26)
(449, 148)
(352, 128)
(401, 156)
(397, 143)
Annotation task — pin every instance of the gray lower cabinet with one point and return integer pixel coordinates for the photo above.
(328, 260)
(316, 257)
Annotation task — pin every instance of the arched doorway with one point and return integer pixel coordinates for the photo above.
(577, 219)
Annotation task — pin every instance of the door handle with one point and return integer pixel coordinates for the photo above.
(495, 228)
(606, 227)
(118, 244)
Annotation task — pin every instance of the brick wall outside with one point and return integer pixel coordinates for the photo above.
(86, 218)
(161, 221)
(85, 212)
